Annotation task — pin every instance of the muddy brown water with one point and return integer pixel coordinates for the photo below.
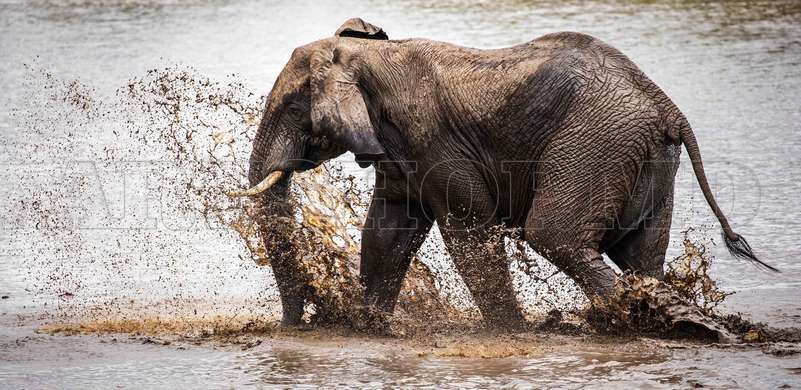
(733, 68)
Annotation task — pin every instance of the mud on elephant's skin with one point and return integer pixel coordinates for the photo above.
(583, 145)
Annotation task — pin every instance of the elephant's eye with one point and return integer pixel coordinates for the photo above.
(295, 112)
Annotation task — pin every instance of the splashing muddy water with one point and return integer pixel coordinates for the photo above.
(117, 231)
(195, 126)
(190, 122)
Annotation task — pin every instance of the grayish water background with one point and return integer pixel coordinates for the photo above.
(733, 68)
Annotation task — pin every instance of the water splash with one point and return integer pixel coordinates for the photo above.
(195, 133)
(193, 136)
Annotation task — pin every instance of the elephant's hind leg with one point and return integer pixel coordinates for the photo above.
(567, 222)
(640, 244)
(578, 258)
(643, 249)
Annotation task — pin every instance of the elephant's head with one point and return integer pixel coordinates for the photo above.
(314, 112)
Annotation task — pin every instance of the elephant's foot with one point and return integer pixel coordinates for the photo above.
(586, 267)
(498, 305)
(645, 304)
(291, 320)
(598, 283)
(291, 311)
(370, 319)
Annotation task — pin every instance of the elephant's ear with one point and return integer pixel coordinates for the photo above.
(337, 107)
(357, 28)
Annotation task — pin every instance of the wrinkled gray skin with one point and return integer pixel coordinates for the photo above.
(563, 137)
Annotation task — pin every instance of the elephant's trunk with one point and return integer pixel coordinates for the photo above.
(279, 244)
(269, 179)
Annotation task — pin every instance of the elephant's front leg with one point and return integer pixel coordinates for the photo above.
(392, 234)
(292, 292)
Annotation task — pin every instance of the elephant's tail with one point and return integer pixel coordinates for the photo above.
(735, 243)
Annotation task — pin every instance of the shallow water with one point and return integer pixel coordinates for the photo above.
(325, 360)
(734, 70)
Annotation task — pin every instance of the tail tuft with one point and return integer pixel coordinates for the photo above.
(739, 248)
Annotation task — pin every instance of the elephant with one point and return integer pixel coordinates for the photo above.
(562, 139)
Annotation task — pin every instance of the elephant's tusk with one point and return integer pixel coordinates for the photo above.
(264, 185)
